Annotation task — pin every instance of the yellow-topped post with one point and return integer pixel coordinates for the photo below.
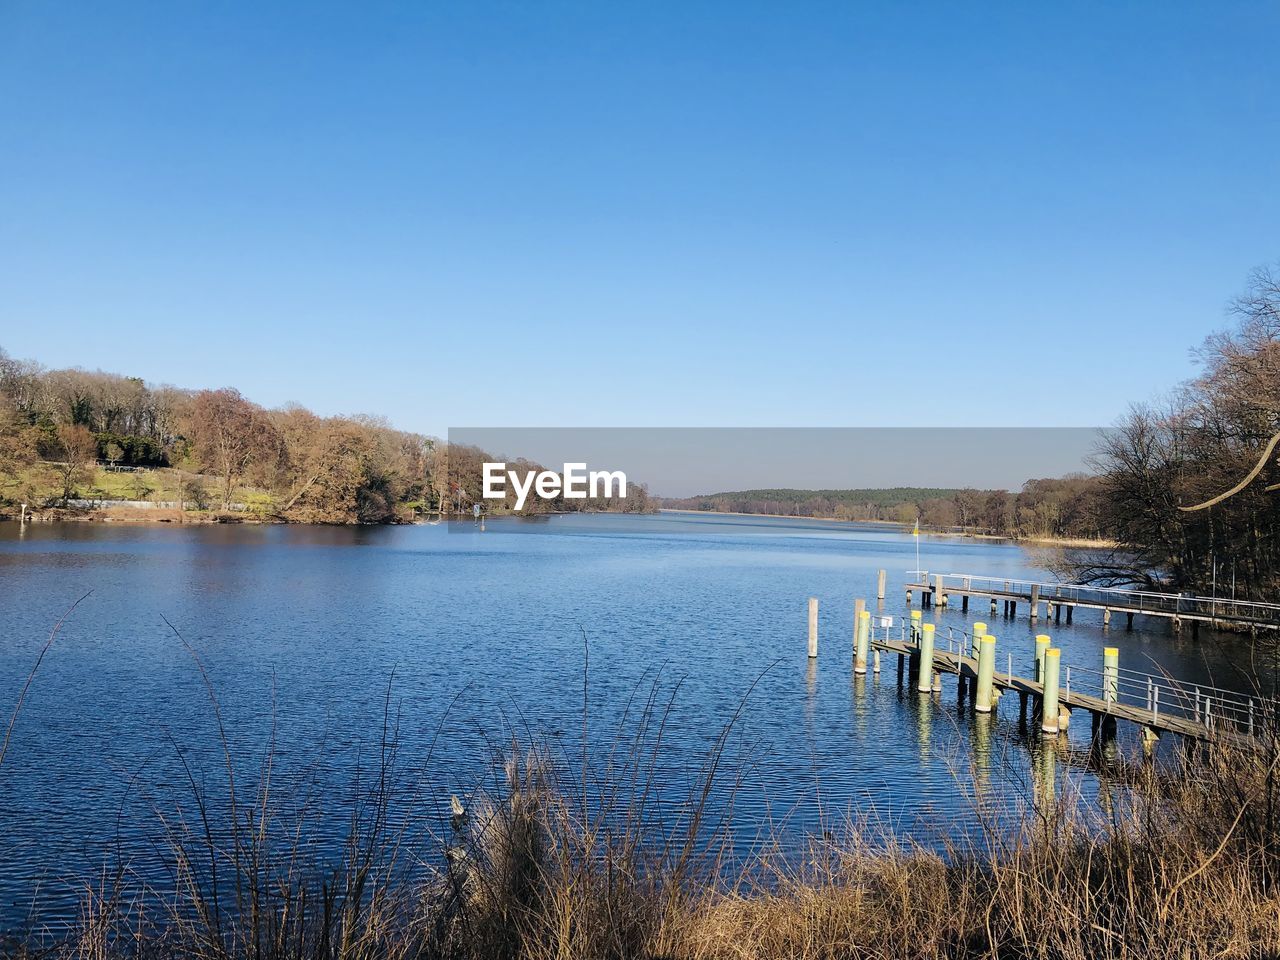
(915, 626)
(979, 631)
(1049, 706)
(986, 673)
(1110, 674)
(924, 679)
(1042, 644)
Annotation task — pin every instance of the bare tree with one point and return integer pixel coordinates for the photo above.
(78, 449)
(229, 432)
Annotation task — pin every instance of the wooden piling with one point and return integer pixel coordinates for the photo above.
(1070, 610)
(880, 587)
(1035, 601)
(1049, 705)
(1110, 674)
(1150, 737)
(924, 677)
(863, 634)
(1042, 644)
(979, 631)
(993, 606)
(1106, 616)
(916, 617)
(986, 674)
(813, 628)
(858, 606)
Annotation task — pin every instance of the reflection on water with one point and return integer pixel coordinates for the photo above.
(474, 637)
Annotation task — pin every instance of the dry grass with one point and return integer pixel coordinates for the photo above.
(1174, 876)
(524, 872)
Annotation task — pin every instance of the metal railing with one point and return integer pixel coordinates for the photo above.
(1118, 598)
(1159, 695)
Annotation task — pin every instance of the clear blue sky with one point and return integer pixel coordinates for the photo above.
(667, 214)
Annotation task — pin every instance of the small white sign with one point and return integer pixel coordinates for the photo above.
(886, 623)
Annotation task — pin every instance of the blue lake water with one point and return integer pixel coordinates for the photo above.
(472, 636)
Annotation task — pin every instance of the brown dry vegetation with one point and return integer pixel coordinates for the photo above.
(1185, 866)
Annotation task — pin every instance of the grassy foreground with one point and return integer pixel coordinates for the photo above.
(1187, 867)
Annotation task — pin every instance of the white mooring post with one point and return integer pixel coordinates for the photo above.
(863, 635)
(813, 628)
(880, 586)
(858, 606)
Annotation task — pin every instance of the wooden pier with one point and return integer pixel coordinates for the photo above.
(1187, 712)
(944, 589)
(1156, 703)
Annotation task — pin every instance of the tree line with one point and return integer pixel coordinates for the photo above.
(1064, 508)
(58, 426)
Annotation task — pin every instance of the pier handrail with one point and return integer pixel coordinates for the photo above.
(1121, 598)
(1157, 694)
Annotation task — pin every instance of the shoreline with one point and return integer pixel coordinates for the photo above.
(1037, 541)
(175, 517)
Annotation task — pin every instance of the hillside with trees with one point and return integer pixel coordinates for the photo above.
(73, 440)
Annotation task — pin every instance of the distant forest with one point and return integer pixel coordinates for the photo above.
(1066, 508)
